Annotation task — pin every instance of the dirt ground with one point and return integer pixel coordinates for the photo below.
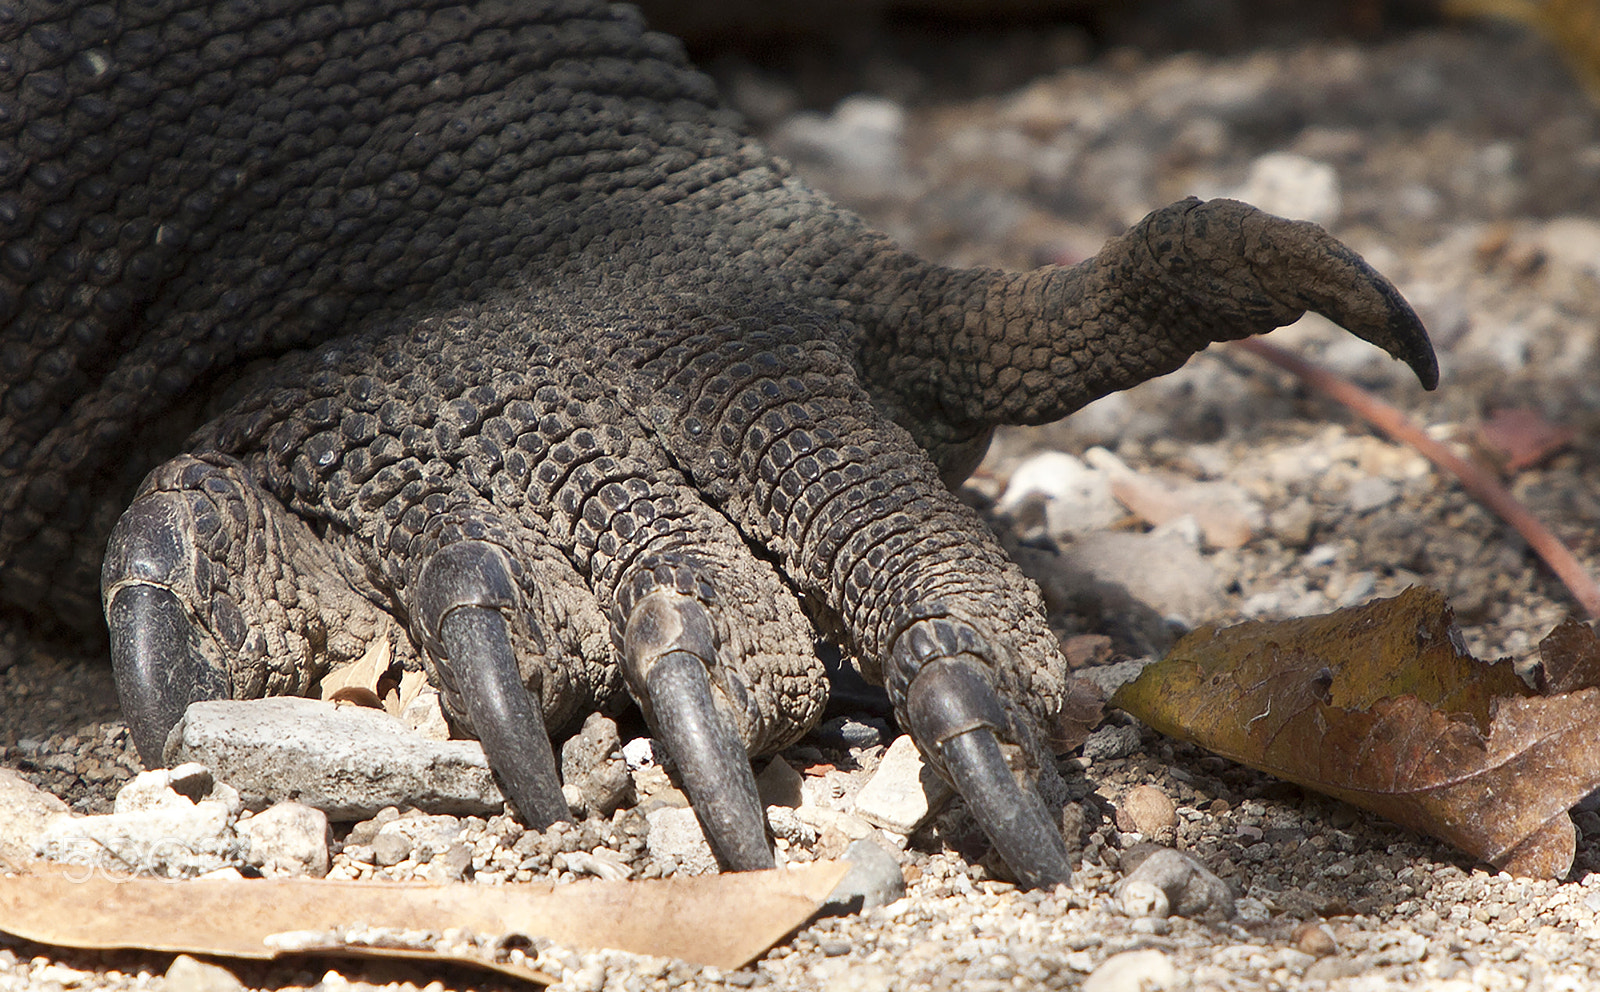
(1463, 161)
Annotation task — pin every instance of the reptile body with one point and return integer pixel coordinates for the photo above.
(482, 329)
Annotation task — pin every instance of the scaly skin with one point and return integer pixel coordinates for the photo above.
(494, 337)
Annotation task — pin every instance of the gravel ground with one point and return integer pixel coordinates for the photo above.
(1464, 163)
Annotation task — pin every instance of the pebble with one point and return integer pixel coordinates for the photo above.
(347, 761)
(676, 838)
(424, 715)
(874, 880)
(363, 833)
(419, 837)
(449, 865)
(639, 752)
(847, 732)
(601, 863)
(1111, 743)
(786, 825)
(159, 787)
(1370, 493)
(1133, 971)
(903, 792)
(779, 784)
(1292, 525)
(25, 811)
(1075, 498)
(187, 974)
(1187, 887)
(1294, 186)
(1148, 810)
(593, 765)
(177, 839)
(835, 830)
(1315, 939)
(1226, 516)
(1160, 569)
(288, 840)
(861, 140)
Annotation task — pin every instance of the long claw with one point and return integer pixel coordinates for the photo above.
(480, 661)
(157, 669)
(1298, 260)
(953, 713)
(459, 595)
(155, 649)
(667, 647)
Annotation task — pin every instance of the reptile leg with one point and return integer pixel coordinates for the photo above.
(531, 536)
(211, 590)
(928, 603)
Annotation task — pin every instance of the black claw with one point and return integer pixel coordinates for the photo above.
(668, 642)
(158, 671)
(952, 713)
(459, 595)
(478, 656)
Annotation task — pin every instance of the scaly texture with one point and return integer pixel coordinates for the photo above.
(486, 332)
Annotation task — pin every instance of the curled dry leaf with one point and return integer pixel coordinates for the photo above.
(1518, 438)
(1381, 706)
(721, 920)
(1082, 709)
(365, 681)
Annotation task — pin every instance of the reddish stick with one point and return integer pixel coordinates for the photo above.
(1480, 483)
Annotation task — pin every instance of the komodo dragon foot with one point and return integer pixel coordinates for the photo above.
(499, 341)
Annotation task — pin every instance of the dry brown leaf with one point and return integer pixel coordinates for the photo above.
(724, 921)
(363, 682)
(411, 684)
(1569, 658)
(1380, 706)
(1082, 708)
(1518, 438)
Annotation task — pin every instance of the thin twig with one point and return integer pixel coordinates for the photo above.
(1481, 484)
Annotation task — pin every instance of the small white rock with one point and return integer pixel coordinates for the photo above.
(187, 974)
(288, 840)
(171, 841)
(903, 792)
(1077, 498)
(159, 788)
(785, 824)
(1133, 971)
(25, 811)
(675, 836)
(1294, 186)
(639, 752)
(423, 836)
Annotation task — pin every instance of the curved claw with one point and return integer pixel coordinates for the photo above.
(155, 648)
(668, 641)
(952, 712)
(478, 656)
(460, 592)
(1299, 261)
(157, 670)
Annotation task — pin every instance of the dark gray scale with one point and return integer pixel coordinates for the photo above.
(480, 330)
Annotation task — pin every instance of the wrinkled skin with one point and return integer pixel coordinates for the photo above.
(495, 339)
